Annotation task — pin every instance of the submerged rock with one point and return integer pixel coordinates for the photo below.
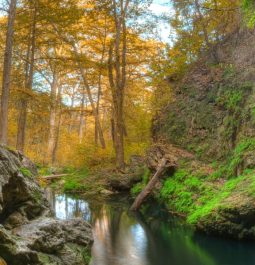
(29, 235)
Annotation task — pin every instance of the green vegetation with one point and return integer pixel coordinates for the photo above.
(26, 172)
(249, 9)
(197, 196)
(213, 201)
(141, 185)
(86, 255)
(229, 169)
(180, 191)
(75, 178)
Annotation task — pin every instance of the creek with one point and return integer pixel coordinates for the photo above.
(156, 238)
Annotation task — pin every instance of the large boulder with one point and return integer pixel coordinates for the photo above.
(47, 241)
(29, 234)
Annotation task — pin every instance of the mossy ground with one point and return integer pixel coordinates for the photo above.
(196, 190)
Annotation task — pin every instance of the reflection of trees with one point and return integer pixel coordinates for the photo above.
(122, 238)
(67, 207)
(115, 241)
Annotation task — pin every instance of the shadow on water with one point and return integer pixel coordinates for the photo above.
(122, 238)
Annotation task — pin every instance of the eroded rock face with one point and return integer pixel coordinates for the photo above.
(29, 235)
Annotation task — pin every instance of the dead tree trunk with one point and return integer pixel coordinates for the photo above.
(148, 189)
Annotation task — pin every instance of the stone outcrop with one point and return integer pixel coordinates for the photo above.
(29, 235)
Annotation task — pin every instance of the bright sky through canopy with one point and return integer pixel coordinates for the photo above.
(162, 7)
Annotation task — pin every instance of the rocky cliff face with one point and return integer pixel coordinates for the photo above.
(212, 107)
(212, 115)
(29, 235)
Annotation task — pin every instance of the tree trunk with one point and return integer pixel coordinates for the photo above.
(55, 149)
(100, 84)
(94, 110)
(52, 129)
(81, 123)
(148, 189)
(22, 121)
(117, 77)
(58, 112)
(7, 73)
(70, 127)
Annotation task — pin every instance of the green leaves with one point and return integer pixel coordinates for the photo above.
(249, 12)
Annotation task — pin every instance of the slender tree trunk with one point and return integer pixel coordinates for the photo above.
(57, 130)
(22, 121)
(7, 73)
(94, 110)
(52, 129)
(119, 141)
(57, 133)
(70, 127)
(100, 82)
(117, 77)
(81, 123)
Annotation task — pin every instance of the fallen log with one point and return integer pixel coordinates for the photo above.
(54, 176)
(163, 165)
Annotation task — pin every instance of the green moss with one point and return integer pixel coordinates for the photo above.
(46, 259)
(26, 172)
(86, 256)
(212, 202)
(37, 195)
(136, 189)
(179, 191)
(197, 195)
(228, 169)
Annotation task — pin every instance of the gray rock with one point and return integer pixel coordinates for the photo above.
(29, 235)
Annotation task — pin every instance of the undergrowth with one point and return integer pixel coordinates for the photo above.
(137, 188)
(74, 179)
(196, 195)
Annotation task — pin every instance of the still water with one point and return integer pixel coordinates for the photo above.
(122, 238)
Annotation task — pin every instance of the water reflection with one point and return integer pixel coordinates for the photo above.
(66, 207)
(125, 239)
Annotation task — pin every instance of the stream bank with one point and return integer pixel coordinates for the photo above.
(197, 191)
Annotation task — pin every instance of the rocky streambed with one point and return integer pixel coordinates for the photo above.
(29, 234)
